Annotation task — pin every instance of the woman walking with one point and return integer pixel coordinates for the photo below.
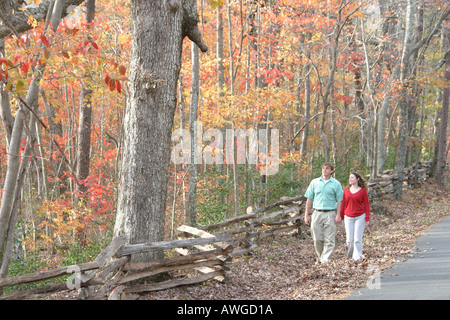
(356, 214)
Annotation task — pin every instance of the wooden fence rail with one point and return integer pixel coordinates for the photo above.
(111, 272)
(247, 230)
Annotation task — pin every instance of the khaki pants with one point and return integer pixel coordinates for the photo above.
(323, 231)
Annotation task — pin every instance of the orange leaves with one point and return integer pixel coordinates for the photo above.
(65, 54)
(122, 70)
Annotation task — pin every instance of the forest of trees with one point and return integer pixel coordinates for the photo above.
(97, 95)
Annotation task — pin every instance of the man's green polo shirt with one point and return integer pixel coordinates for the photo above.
(325, 194)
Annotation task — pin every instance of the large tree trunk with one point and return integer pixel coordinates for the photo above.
(158, 28)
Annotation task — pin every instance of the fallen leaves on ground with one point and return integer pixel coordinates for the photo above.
(283, 267)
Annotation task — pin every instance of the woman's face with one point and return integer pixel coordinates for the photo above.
(352, 180)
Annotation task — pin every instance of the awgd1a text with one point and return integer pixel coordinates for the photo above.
(227, 309)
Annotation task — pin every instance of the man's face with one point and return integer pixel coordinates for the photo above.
(326, 171)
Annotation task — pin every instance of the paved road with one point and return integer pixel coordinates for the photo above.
(426, 276)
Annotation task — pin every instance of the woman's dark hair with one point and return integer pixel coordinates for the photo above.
(361, 182)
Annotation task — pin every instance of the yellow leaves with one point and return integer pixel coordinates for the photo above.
(61, 218)
(8, 86)
(215, 3)
(20, 84)
(124, 38)
(317, 37)
(122, 70)
(32, 21)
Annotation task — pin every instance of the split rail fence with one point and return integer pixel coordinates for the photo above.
(383, 185)
(199, 255)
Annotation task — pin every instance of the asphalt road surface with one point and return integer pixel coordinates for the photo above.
(426, 276)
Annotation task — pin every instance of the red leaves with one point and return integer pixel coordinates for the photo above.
(118, 87)
(5, 65)
(25, 66)
(114, 83)
(44, 40)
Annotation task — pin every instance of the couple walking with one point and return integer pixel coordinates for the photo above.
(331, 204)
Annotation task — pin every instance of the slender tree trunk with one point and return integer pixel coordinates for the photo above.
(442, 138)
(55, 129)
(388, 30)
(233, 145)
(219, 52)
(382, 117)
(193, 129)
(24, 164)
(307, 115)
(84, 128)
(5, 108)
(404, 96)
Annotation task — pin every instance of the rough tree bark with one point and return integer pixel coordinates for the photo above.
(404, 80)
(193, 129)
(388, 31)
(158, 29)
(84, 128)
(442, 138)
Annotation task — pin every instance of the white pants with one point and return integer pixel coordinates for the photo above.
(354, 229)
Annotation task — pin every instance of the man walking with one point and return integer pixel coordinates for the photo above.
(325, 194)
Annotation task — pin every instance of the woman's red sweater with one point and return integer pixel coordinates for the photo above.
(355, 204)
